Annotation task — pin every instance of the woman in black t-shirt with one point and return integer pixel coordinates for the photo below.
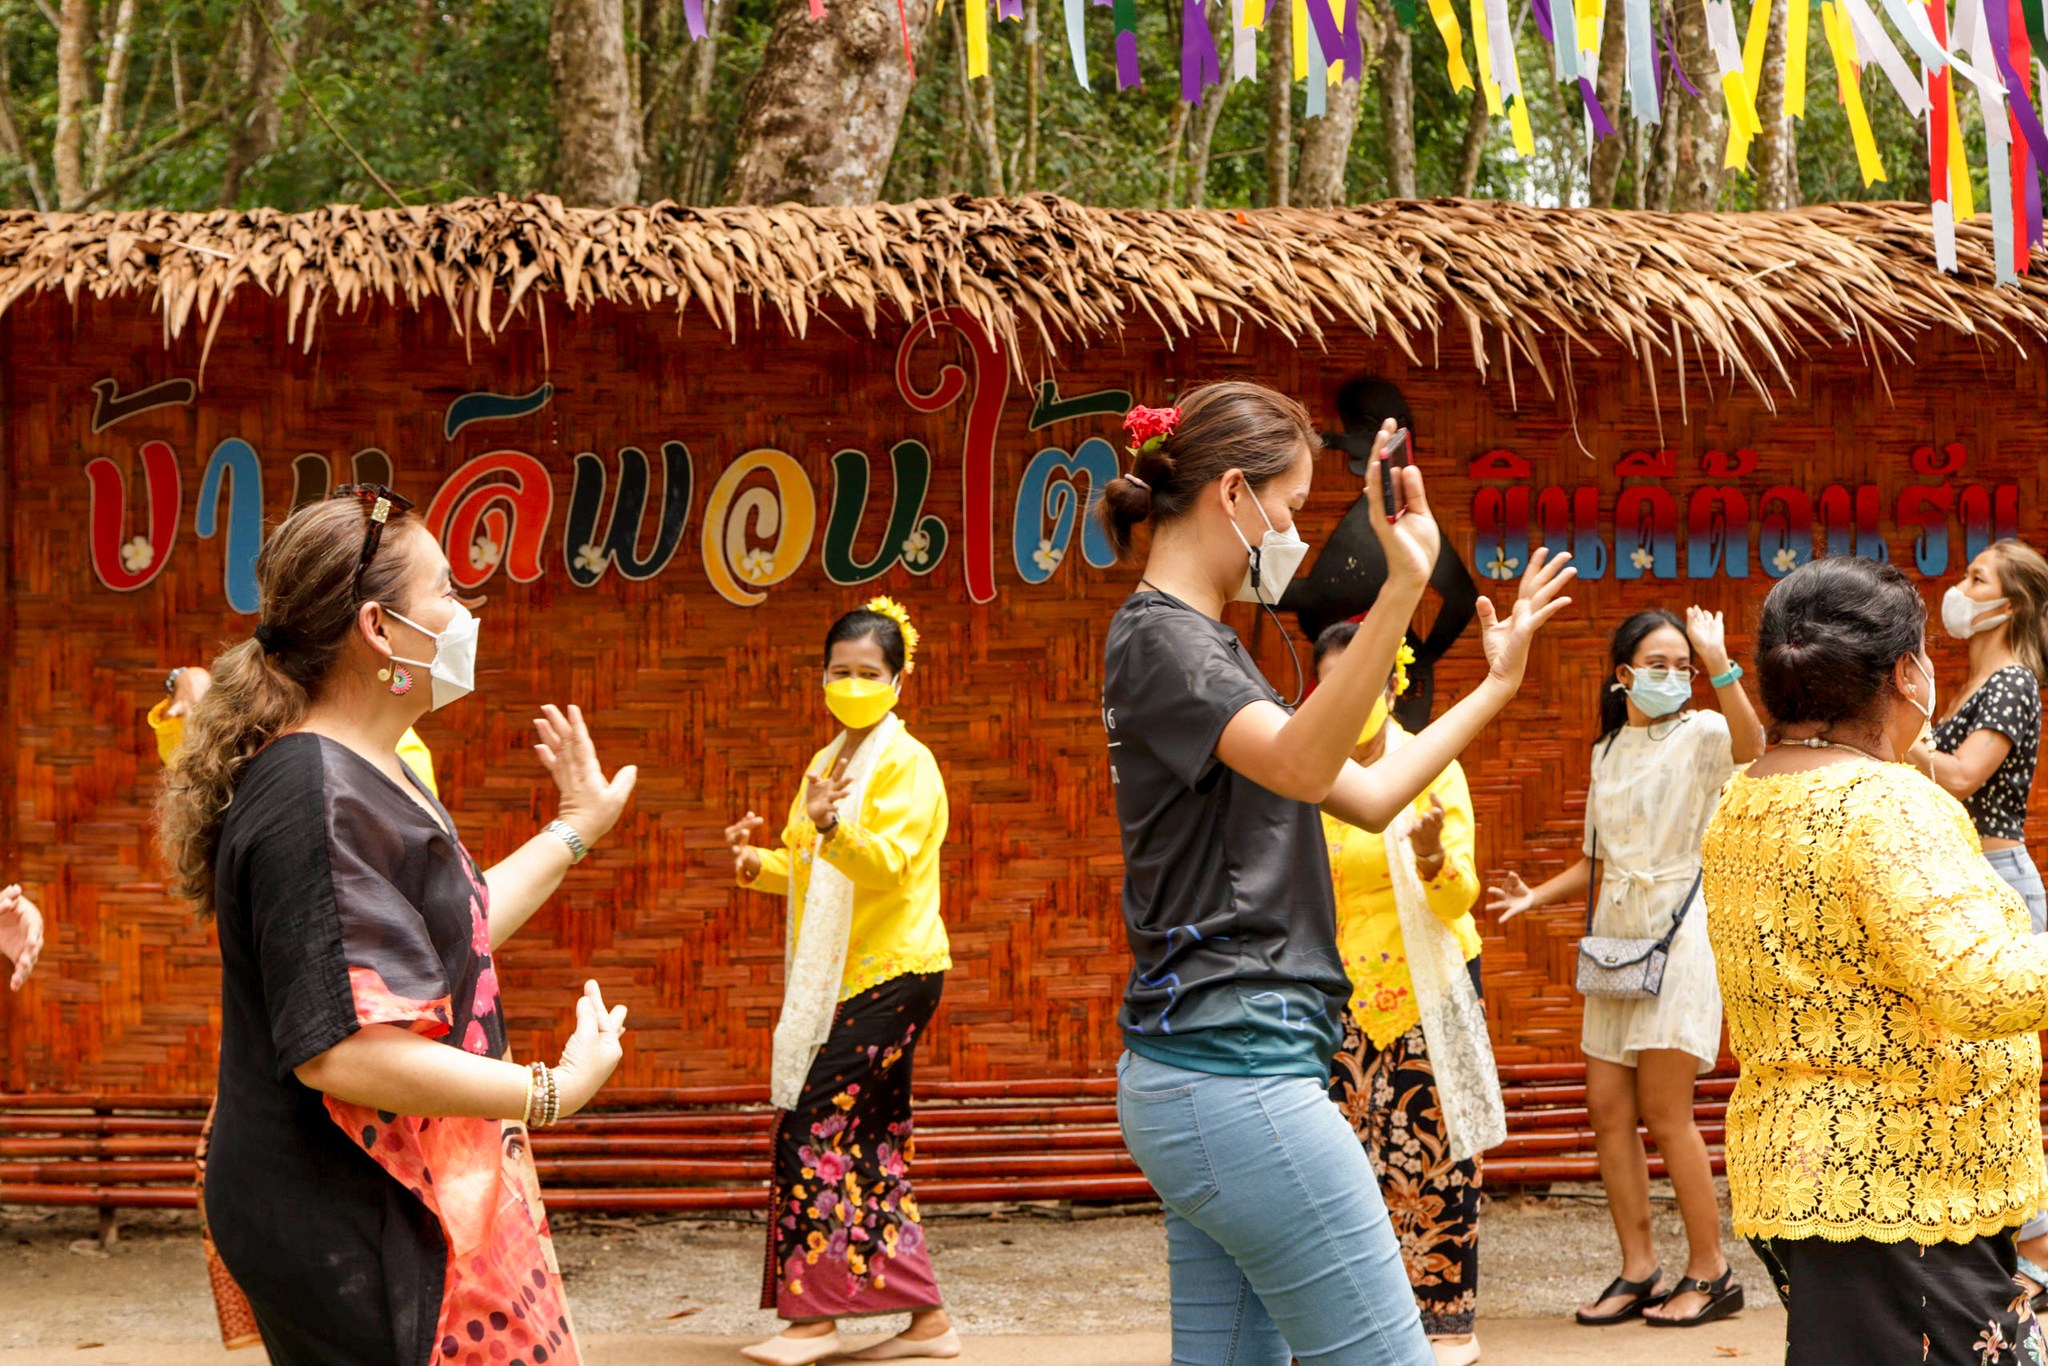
(1985, 749)
(1279, 1241)
(368, 1181)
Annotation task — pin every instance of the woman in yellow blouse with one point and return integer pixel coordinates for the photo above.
(1384, 1080)
(1882, 991)
(866, 955)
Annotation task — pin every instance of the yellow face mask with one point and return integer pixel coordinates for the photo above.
(859, 702)
(1375, 722)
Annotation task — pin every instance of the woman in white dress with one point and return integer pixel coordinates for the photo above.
(1657, 774)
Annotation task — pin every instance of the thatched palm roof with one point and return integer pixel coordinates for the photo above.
(1743, 294)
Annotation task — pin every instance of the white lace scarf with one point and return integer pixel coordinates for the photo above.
(814, 953)
(1453, 1020)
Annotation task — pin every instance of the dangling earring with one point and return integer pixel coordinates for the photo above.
(401, 679)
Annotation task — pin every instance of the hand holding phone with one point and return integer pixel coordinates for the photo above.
(1397, 454)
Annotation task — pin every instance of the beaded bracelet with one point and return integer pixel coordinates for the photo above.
(554, 1103)
(536, 1089)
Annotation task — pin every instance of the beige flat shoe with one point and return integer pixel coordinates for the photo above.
(945, 1346)
(784, 1350)
(1464, 1353)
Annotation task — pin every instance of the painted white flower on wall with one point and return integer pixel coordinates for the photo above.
(484, 553)
(1786, 560)
(136, 555)
(1642, 559)
(1046, 557)
(590, 559)
(1502, 565)
(917, 548)
(756, 565)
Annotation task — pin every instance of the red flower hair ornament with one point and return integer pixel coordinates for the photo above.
(1147, 427)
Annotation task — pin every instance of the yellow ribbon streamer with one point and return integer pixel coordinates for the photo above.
(1255, 14)
(977, 38)
(1591, 14)
(1752, 68)
(1795, 58)
(1842, 43)
(1961, 195)
(1301, 40)
(1518, 122)
(1454, 42)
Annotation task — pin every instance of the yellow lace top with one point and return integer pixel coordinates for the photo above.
(1369, 926)
(891, 855)
(1882, 990)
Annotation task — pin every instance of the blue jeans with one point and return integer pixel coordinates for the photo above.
(1277, 1241)
(2016, 866)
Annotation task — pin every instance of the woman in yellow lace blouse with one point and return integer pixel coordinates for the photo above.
(1384, 1080)
(867, 953)
(1882, 989)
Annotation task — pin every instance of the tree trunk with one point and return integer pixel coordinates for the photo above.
(1693, 137)
(1604, 174)
(255, 137)
(1571, 122)
(1279, 104)
(120, 50)
(1203, 140)
(1474, 149)
(655, 77)
(74, 33)
(698, 178)
(825, 106)
(13, 144)
(597, 125)
(1326, 147)
(1034, 84)
(1396, 81)
(1777, 150)
(1176, 137)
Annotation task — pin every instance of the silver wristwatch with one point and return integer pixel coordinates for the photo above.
(566, 833)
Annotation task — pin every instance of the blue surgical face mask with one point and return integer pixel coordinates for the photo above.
(1658, 692)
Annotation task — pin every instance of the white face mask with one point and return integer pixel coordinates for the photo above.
(453, 668)
(1928, 710)
(1272, 566)
(1959, 614)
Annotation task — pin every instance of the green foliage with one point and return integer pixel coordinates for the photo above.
(450, 97)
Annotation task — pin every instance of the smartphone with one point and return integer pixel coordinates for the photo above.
(1398, 454)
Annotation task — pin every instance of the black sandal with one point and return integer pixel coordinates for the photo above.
(1724, 1297)
(1641, 1295)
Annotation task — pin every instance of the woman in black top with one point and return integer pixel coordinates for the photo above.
(1279, 1241)
(1984, 750)
(368, 1182)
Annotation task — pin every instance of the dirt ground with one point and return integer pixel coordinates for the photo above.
(1031, 1270)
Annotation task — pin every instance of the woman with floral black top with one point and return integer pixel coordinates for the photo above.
(1984, 750)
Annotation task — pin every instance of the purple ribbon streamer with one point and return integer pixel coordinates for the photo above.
(1542, 8)
(1999, 19)
(1201, 65)
(1601, 127)
(693, 12)
(1010, 9)
(1671, 51)
(1328, 36)
(1354, 43)
(1127, 60)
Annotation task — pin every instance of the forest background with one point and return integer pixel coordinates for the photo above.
(291, 104)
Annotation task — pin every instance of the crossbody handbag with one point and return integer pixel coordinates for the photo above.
(1625, 969)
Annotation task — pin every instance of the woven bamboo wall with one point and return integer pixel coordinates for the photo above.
(719, 704)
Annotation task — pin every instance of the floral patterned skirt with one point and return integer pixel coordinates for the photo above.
(1952, 1304)
(843, 1235)
(1389, 1097)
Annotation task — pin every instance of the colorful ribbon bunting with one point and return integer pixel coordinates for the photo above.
(1244, 43)
(1973, 36)
(1877, 48)
(1641, 34)
(1797, 13)
(1454, 43)
(1125, 16)
(1201, 65)
(1841, 43)
(1077, 38)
